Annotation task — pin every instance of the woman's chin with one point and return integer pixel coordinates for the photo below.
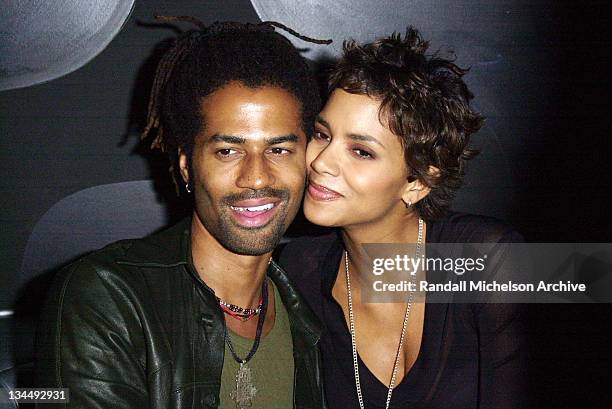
(317, 214)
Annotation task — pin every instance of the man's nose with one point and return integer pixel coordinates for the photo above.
(255, 173)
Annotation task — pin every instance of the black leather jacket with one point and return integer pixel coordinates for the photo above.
(133, 326)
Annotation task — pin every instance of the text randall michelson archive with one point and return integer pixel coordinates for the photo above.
(479, 286)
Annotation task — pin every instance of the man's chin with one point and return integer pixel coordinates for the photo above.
(253, 241)
(249, 248)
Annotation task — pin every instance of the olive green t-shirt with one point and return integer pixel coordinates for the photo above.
(272, 365)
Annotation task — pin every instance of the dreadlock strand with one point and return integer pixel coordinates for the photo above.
(187, 19)
(153, 110)
(295, 33)
(162, 74)
(175, 182)
(158, 141)
(154, 103)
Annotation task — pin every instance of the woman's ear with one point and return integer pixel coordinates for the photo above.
(416, 190)
(184, 165)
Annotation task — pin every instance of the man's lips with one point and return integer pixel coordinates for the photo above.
(322, 193)
(255, 212)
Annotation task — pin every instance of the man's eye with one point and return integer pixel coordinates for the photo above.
(280, 151)
(226, 152)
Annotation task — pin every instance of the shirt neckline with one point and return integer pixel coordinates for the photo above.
(278, 304)
(424, 368)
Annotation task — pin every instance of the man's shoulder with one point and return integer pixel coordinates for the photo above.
(459, 227)
(121, 258)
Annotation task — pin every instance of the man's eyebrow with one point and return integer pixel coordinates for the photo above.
(322, 121)
(364, 138)
(227, 139)
(239, 140)
(275, 140)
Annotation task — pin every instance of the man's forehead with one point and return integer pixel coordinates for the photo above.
(236, 95)
(251, 113)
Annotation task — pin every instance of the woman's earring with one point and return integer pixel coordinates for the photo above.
(187, 187)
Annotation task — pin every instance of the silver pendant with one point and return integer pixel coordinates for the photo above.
(245, 391)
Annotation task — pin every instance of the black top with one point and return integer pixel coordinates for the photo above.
(471, 356)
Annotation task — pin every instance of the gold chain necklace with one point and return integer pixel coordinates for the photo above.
(404, 325)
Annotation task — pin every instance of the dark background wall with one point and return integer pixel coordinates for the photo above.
(81, 130)
(541, 75)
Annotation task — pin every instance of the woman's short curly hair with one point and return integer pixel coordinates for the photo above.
(424, 101)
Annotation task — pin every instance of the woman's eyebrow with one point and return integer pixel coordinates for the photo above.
(353, 136)
(364, 138)
(322, 121)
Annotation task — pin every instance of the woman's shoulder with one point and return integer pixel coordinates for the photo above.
(308, 244)
(458, 227)
(301, 255)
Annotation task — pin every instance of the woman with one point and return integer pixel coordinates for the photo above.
(388, 153)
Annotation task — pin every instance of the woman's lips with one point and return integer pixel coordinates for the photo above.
(254, 213)
(321, 193)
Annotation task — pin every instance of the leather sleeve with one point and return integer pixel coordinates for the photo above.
(87, 337)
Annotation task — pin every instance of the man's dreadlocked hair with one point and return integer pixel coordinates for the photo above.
(204, 60)
(424, 101)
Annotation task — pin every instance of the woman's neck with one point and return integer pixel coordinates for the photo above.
(402, 229)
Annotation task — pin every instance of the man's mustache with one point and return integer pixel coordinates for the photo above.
(282, 194)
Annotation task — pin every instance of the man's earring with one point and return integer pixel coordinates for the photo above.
(187, 187)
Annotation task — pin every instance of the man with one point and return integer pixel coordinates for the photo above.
(198, 316)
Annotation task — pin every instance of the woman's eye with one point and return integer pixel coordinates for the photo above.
(320, 136)
(363, 154)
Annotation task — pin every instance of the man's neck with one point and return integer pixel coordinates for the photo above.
(235, 278)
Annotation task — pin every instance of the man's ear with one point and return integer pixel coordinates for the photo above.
(184, 165)
(415, 190)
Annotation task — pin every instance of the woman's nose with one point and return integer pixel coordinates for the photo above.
(323, 160)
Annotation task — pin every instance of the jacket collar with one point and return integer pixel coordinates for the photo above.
(172, 247)
(304, 324)
(167, 248)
